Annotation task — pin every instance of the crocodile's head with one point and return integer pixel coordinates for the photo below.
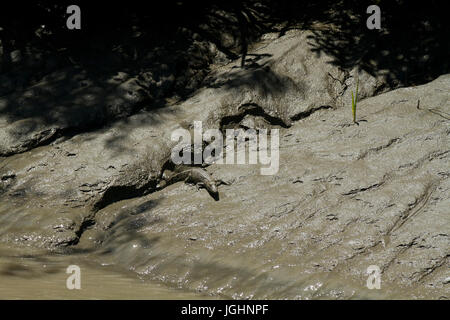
(214, 189)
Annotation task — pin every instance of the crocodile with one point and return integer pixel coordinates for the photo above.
(196, 176)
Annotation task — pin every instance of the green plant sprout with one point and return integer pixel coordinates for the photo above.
(354, 102)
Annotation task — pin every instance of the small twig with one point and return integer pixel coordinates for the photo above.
(439, 113)
(341, 82)
(355, 101)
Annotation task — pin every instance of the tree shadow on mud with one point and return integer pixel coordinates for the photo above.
(411, 48)
(66, 79)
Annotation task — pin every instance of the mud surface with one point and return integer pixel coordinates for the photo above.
(346, 196)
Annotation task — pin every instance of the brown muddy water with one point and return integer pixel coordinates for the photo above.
(42, 276)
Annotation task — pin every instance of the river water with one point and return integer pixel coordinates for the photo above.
(39, 275)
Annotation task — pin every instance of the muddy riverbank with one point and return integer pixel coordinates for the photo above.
(81, 176)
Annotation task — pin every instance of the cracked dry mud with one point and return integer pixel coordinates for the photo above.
(345, 197)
